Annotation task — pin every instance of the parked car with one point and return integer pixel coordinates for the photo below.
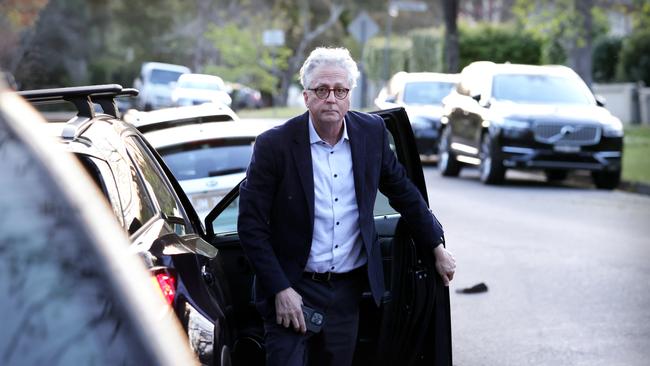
(155, 84)
(507, 116)
(152, 210)
(72, 294)
(167, 233)
(207, 158)
(179, 116)
(245, 97)
(421, 94)
(192, 89)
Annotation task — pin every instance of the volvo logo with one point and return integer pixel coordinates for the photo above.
(567, 130)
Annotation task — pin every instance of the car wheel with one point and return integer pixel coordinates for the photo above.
(553, 175)
(447, 163)
(606, 180)
(491, 167)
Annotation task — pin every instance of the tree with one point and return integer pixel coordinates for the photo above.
(450, 9)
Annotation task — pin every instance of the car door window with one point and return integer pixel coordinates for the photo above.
(157, 187)
(382, 208)
(136, 203)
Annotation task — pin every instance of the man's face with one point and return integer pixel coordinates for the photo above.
(330, 109)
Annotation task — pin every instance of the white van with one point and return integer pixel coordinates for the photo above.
(155, 83)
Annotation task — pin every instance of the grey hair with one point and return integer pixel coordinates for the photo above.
(329, 56)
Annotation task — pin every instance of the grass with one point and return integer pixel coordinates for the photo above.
(636, 154)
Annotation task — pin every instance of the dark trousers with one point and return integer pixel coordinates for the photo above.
(334, 345)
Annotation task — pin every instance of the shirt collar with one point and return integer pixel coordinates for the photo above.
(313, 135)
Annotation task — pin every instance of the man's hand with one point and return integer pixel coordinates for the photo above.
(288, 310)
(445, 263)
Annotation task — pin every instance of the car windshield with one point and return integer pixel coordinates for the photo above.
(544, 89)
(426, 92)
(208, 159)
(164, 76)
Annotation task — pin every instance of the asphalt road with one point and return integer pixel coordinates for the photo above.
(567, 268)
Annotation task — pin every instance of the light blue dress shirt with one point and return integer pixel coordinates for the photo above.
(336, 245)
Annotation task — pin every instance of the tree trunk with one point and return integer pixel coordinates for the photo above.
(308, 35)
(581, 60)
(452, 52)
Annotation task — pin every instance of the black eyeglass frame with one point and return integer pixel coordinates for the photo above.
(329, 90)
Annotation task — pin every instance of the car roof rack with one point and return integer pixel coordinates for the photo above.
(84, 98)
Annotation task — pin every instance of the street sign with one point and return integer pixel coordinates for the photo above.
(273, 37)
(362, 28)
(417, 6)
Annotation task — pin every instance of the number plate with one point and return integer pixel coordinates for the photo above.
(566, 148)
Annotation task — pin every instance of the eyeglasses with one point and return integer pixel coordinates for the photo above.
(324, 93)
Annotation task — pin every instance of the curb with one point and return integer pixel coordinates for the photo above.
(635, 187)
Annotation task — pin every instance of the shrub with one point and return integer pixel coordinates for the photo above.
(605, 57)
(427, 51)
(498, 43)
(634, 62)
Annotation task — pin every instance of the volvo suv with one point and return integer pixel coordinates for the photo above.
(509, 116)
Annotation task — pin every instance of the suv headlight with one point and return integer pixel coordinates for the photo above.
(613, 127)
(512, 128)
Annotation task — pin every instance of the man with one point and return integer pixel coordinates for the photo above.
(306, 216)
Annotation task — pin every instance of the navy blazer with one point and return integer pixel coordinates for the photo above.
(276, 202)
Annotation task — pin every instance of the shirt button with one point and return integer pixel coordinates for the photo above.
(331, 152)
(336, 246)
(336, 200)
(332, 267)
(336, 175)
(337, 222)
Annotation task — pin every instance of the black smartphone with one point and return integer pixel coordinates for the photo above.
(313, 319)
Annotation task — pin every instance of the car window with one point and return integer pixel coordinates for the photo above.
(209, 159)
(381, 202)
(164, 76)
(58, 304)
(426, 92)
(102, 175)
(152, 178)
(524, 88)
(136, 203)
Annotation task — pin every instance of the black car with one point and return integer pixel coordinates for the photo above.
(71, 292)
(503, 116)
(213, 279)
(421, 94)
(148, 203)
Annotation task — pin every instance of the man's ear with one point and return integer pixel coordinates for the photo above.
(306, 98)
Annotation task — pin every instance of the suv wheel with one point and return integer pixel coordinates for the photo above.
(491, 168)
(447, 163)
(606, 180)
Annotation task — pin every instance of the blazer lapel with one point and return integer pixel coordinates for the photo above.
(358, 149)
(302, 157)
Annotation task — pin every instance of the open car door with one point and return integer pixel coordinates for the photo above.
(412, 326)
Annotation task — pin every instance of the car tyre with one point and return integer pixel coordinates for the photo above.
(606, 180)
(447, 163)
(491, 168)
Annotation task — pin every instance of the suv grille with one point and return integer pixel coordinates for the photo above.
(566, 133)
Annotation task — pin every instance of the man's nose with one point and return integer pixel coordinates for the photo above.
(330, 97)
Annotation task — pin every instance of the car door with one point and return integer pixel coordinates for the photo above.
(414, 314)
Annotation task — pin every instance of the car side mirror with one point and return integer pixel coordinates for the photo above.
(600, 100)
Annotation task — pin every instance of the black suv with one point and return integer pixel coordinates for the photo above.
(503, 116)
(148, 203)
(205, 274)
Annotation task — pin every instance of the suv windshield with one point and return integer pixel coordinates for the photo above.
(426, 92)
(164, 76)
(542, 89)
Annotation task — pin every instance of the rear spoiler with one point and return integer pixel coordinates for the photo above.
(83, 97)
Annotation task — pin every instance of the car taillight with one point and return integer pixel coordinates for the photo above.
(167, 282)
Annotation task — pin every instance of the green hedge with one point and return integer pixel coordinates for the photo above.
(634, 62)
(427, 53)
(605, 56)
(498, 43)
(398, 55)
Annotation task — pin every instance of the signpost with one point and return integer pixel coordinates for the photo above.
(273, 38)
